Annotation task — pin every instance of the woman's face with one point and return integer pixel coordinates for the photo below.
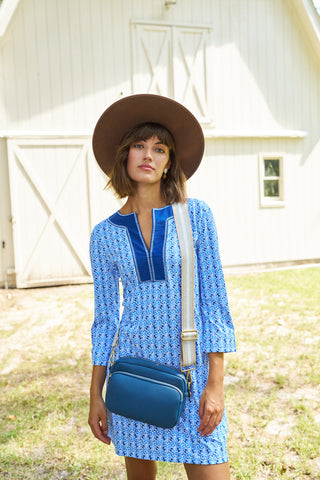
(147, 160)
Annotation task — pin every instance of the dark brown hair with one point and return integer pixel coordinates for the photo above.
(172, 187)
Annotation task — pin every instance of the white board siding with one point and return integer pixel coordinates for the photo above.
(63, 72)
(229, 182)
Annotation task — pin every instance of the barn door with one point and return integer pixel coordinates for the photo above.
(170, 60)
(51, 210)
(189, 70)
(152, 58)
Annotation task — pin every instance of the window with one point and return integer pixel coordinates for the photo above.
(271, 180)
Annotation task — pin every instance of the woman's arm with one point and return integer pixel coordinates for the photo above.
(98, 411)
(106, 321)
(216, 328)
(211, 405)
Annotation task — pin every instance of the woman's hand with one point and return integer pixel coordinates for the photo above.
(98, 410)
(211, 408)
(98, 419)
(211, 405)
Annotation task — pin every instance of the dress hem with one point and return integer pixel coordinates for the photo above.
(166, 459)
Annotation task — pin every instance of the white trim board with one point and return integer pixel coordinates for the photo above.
(217, 133)
(208, 133)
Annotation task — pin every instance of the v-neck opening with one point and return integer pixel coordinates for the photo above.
(149, 262)
(141, 234)
(153, 210)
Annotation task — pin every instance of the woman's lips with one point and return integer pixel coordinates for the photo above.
(146, 167)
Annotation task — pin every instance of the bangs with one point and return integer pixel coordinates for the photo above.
(145, 131)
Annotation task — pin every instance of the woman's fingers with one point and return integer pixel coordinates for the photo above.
(209, 423)
(98, 421)
(211, 409)
(103, 435)
(100, 432)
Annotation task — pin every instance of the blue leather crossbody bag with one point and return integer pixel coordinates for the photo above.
(152, 392)
(146, 391)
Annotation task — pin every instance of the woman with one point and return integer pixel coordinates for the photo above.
(149, 145)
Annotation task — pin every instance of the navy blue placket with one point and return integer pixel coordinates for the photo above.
(150, 265)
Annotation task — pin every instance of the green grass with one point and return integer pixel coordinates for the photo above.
(272, 383)
(273, 399)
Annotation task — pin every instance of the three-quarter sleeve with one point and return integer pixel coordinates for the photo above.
(217, 326)
(106, 297)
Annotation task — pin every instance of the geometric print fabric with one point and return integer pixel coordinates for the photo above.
(151, 327)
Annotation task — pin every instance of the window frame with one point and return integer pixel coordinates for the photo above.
(271, 202)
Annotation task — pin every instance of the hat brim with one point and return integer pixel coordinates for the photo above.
(130, 111)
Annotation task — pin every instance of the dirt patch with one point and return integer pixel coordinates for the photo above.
(31, 318)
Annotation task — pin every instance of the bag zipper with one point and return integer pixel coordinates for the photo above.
(148, 379)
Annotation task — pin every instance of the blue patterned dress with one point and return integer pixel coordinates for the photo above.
(151, 321)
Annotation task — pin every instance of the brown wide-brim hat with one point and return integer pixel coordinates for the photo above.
(131, 111)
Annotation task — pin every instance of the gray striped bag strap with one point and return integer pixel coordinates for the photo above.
(188, 331)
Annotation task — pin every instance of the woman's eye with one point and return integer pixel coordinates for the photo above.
(159, 150)
(137, 145)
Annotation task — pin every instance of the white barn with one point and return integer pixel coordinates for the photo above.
(250, 72)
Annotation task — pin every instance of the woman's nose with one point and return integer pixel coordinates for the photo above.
(148, 154)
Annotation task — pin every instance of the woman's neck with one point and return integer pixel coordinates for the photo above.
(143, 201)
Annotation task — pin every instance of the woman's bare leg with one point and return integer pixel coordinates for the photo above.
(138, 469)
(207, 472)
